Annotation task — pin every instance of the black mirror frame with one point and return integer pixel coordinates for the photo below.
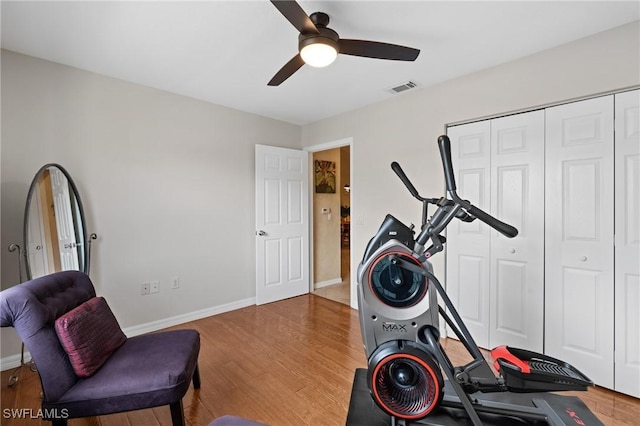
(76, 194)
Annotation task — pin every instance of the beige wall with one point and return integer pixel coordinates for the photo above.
(167, 183)
(326, 227)
(405, 128)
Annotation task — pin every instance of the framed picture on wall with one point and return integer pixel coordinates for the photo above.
(325, 177)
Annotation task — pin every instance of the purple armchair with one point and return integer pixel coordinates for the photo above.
(145, 371)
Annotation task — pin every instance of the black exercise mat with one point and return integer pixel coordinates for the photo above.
(364, 412)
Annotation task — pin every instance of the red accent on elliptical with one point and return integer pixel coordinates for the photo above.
(502, 352)
(424, 407)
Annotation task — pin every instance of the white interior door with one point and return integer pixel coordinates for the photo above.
(517, 264)
(282, 223)
(627, 250)
(468, 244)
(579, 236)
(64, 220)
(36, 244)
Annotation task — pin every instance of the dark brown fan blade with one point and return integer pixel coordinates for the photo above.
(298, 17)
(287, 70)
(378, 50)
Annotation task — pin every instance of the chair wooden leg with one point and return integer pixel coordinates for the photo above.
(177, 413)
(196, 378)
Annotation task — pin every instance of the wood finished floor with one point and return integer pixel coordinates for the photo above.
(285, 363)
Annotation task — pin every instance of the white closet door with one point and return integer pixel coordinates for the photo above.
(627, 250)
(578, 237)
(468, 244)
(517, 264)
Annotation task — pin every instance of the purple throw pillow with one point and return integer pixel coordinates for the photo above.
(89, 334)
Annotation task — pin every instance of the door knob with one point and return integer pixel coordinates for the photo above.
(262, 233)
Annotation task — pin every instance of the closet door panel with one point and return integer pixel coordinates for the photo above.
(578, 236)
(468, 244)
(627, 248)
(516, 264)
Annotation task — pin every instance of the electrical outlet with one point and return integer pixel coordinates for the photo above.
(144, 290)
(154, 287)
(175, 282)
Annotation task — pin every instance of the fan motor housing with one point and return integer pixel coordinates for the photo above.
(325, 36)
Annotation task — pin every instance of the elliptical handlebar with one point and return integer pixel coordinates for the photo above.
(398, 170)
(444, 144)
(449, 208)
(503, 228)
(412, 189)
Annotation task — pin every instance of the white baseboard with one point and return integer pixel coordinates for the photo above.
(13, 361)
(190, 316)
(327, 283)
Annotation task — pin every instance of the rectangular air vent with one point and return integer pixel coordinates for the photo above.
(403, 87)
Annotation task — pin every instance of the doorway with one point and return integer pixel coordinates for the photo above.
(331, 201)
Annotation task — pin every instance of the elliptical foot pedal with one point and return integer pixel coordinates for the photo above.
(526, 371)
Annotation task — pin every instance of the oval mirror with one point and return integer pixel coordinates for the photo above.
(54, 228)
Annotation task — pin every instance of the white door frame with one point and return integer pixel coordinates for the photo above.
(352, 268)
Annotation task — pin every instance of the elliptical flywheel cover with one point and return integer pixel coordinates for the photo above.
(395, 286)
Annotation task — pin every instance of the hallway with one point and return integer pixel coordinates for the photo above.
(339, 292)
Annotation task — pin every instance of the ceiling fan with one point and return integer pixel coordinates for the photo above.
(319, 45)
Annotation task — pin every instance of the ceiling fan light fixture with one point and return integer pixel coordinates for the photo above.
(319, 54)
(319, 45)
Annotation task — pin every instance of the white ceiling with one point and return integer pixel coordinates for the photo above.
(225, 52)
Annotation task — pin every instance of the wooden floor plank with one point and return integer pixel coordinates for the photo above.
(285, 363)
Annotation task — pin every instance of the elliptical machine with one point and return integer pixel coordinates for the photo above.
(400, 316)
